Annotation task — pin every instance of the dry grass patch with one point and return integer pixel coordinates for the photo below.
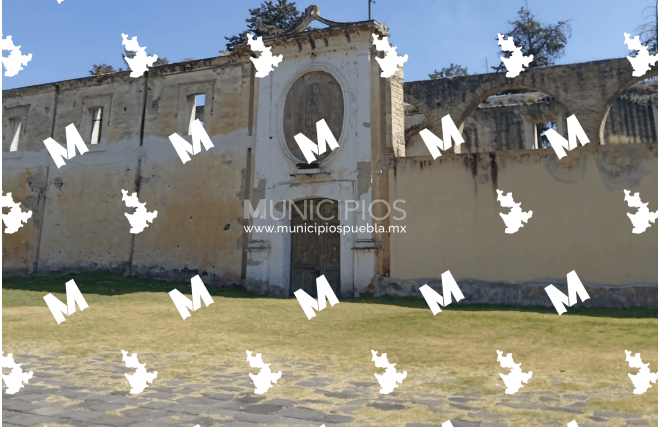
(220, 333)
(415, 413)
(117, 412)
(54, 425)
(62, 401)
(453, 352)
(216, 417)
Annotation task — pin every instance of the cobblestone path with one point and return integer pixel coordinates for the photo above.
(226, 398)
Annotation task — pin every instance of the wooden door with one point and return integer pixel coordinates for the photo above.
(313, 254)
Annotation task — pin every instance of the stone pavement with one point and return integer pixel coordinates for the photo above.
(50, 400)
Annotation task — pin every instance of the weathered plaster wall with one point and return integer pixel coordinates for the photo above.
(36, 106)
(347, 55)
(579, 217)
(19, 250)
(505, 122)
(22, 176)
(83, 199)
(199, 204)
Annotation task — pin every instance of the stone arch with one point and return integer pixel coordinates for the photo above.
(610, 101)
(585, 89)
(486, 93)
(511, 121)
(523, 124)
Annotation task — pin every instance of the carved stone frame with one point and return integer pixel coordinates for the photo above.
(89, 103)
(342, 83)
(188, 89)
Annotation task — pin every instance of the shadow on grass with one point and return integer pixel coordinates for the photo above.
(411, 302)
(111, 284)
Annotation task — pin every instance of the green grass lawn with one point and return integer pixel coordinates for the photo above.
(584, 346)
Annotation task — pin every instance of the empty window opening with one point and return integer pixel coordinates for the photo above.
(196, 105)
(15, 124)
(96, 125)
(541, 141)
(200, 106)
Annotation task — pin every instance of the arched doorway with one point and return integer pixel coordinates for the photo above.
(314, 253)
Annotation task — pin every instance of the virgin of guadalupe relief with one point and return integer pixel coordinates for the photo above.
(314, 96)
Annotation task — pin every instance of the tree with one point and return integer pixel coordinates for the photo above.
(267, 21)
(454, 70)
(100, 69)
(545, 42)
(649, 30)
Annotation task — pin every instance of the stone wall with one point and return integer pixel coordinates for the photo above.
(589, 90)
(355, 171)
(579, 221)
(510, 121)
(633, 117)
(78, 223)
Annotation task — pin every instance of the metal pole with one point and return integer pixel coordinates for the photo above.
(369, 1)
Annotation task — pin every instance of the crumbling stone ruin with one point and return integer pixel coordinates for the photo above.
(452, 217)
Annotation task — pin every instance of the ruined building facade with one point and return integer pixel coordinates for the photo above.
(452, 217)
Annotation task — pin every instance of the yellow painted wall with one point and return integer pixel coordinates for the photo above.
(579, 217)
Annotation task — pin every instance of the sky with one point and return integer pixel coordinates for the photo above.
(66, 38)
